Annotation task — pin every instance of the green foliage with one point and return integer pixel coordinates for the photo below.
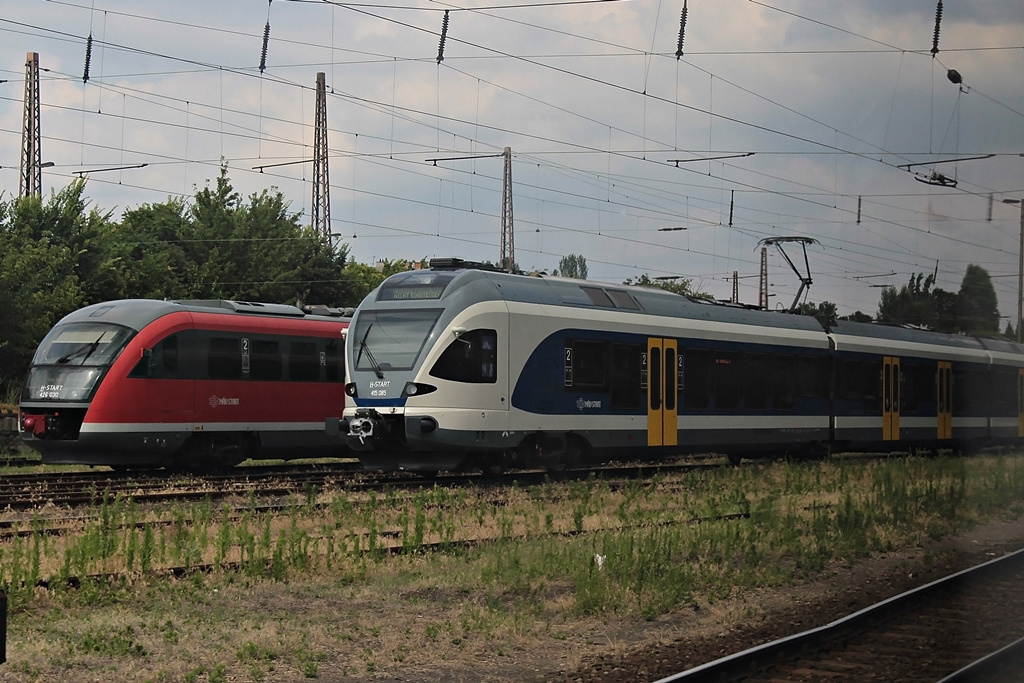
(973, 310)
(681, 286)
(574, 266)
(977, 309)
(59, 255)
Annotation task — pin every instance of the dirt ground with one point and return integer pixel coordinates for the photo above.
(687, 640)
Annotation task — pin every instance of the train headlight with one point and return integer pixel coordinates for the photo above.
(417, 388)
(427, 424)
(350, 390)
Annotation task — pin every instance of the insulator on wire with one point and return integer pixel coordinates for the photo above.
(682, 32)
(88, 58)
(858, 209)
(444, 36)
(263, 55)
(732, 197)
(938, 20)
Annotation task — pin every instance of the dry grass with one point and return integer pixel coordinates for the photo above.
(320, 597)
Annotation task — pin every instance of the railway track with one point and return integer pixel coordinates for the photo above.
(84, 488)
(947, 630)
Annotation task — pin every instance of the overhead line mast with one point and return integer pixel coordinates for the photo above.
(321, 183)
(31, 175)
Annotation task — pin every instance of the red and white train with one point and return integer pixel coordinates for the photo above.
(192, 385)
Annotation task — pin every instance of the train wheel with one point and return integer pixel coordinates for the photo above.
(735, 459)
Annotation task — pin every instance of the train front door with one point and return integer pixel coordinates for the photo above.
(891, 399)
(660, 366)
(945, 399)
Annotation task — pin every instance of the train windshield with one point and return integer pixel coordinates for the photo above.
(82, 344)
(390, 340)
(71, 360)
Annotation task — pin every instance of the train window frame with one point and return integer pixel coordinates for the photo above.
(624, 384)
(265, 361)
(223, 356)
(598, 296)
(586, 374)
(162, 360)
(756, 381)
(622, 299)
(470, 358)
(303, 360)
(727, 380)
(697, 374)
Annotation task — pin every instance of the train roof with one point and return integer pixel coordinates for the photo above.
(470, 283)
(137, 313)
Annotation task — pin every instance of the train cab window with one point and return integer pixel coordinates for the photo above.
(471, 357)
(697, 375)
(225, 358)
(727, 379)
(303, 361)
(265, 361)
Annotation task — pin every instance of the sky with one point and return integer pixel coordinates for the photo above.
(824, 121)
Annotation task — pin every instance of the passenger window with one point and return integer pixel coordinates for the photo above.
(266, 360)
(225, 358)
(697, 387)
(335, 360)
(161, 362)
(303, 362)
(588, 365)
(472, 357)
(727, 381)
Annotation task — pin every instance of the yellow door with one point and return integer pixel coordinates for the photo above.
(891, 399)
(661, 363)
(945, 399)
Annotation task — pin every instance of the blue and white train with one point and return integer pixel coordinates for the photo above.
(462, 367)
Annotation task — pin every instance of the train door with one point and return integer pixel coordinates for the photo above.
(945, 399)
(891, 399)
(661, 366)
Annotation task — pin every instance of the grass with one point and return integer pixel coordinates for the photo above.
(544, 560)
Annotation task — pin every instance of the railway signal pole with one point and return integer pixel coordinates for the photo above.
(31, 175)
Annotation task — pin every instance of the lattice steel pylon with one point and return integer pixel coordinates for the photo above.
(31, 177)
(508, 250)
(762, 287)
(321, 182)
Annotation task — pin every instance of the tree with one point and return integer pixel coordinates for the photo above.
(858, 317)
(912, 304)
(977, 308)
(574, 266)
(826, 312)
(363, 279)
(38, 279)
(680, 286)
